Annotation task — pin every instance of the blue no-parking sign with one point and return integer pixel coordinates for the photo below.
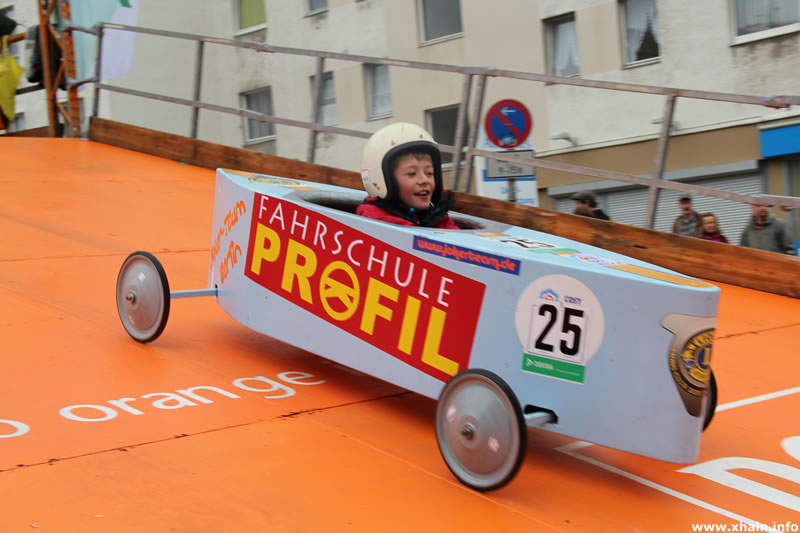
(508, 123)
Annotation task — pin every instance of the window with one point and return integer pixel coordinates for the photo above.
(379, 92)
(317, 5)
(562, 46)
(18, 124)
(641, 30)
(442, 125)
(760, 15)
(259, 101)
(327, 100)
(794, 190)
(251, 13)
(440, 18)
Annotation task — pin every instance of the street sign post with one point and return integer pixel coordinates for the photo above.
(496, 169)
(508, 123)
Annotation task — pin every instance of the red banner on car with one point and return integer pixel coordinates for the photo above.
(414, 310)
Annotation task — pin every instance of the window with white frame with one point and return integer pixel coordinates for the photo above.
(562, 46)
(641, 30)
(317, 5)
(379, 92)
(754, 16)
(442, 124)
(251, 14)
(327, 100)
(259, 101)
(440, 18)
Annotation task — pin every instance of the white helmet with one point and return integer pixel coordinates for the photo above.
(385, 146)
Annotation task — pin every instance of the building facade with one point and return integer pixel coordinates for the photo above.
(729, 46)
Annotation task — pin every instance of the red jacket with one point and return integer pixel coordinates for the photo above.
(378, 213)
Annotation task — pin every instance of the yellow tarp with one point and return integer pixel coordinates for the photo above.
(10, 72)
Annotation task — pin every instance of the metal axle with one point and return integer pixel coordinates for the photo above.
(193, 293)
(539, 418)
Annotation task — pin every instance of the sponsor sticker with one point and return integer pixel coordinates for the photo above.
(693, 363)
(261, 178)
(535, 246)
(599, 261)
(663, 276)
(367, 180)
(409, 308)
(272, 180)
(528, 244)
(690, 357)
(466, 255)
(242, 173)
(560, 324)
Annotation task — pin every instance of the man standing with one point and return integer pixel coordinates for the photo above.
(689, 219)
(766, 232)
(585, 203)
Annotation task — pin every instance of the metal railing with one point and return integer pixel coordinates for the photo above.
(463, 150)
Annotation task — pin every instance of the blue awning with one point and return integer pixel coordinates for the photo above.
(780, 141)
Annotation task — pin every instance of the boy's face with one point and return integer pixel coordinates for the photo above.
(415, 181)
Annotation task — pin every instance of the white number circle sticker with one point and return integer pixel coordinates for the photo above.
(558, 317)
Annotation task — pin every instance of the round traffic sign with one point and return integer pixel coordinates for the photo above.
(508, 123)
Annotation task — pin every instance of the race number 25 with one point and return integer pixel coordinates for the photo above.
(557, 331)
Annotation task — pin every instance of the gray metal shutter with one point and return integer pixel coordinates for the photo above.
(629, 206)
(564, 204)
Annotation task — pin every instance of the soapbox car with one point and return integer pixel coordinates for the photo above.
(507, 327)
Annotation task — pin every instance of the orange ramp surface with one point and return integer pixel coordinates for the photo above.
(214, 427)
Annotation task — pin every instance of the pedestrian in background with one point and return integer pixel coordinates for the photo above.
(689, 221)
(584, 210)
(585, 201)
(766, 232)
(710, 230)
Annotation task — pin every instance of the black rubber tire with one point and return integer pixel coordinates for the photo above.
(712, 400)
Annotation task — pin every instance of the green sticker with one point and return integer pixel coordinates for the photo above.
(553, 368)
(553, 251)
